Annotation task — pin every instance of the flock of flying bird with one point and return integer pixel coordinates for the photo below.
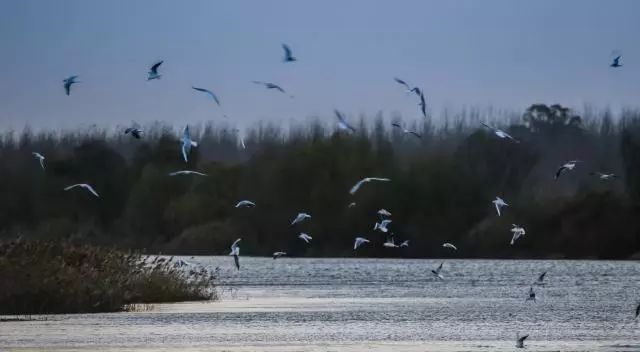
(382, 225)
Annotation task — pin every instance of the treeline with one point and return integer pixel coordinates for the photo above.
(441, 189)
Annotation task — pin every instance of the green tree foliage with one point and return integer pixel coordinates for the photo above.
(441, 190)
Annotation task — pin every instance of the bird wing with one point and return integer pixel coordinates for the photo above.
(155, 66)
(236, 259)
(199, 173)
(402, 82)
(355, 187)
(379, 179)
(235, 243)
(287, 51)
(416, 134)
(522, 338)
(560, 171)
(210, 93)
(498, 208)
(423, 105)
(396, 125)
(343, 120)
(417, 91)
(67, 87)
(71, 187)
(637, 310)
(42, 162)
(90, 189)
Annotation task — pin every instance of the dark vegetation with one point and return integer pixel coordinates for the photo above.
(40, 277)
(441, 190)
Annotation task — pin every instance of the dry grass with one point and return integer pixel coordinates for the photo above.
(46, 277)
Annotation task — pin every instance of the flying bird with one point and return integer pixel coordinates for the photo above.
(269, 85)
(209, 93)
(40, 157)
(153, 72)
(245, 204)
(616, 62)
(532, 295)
(406, 85)
(305, 237)
(517, 233)
(288, 57)
(351, 205)
(134, 131)
(390, 243)
(405, 131)
(85, 186)
(568, 166)
(436, 272)
(499, 203)
(384, 213)
(68, 82)
(359, 242)
(382, 225)
(277, 255)
(300, 217)
(540, 279)
(187, 143)
(235, 252)
(342, 122)
(237, 131)
(187, 172)
(603, 176)
(520, 340)
(357, 186)
(449, 245)
(500, 133)
(404, 243)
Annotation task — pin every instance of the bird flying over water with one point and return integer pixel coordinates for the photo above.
(520, 340)
(568, 166)
(85, 186)
(357, 186)
(500, 133)
(288, 57)
(305, 237)
(382, 225)
(235, 252)
(518, 232)
(406, 131)
(359, 242)
(269, 85)
(68, 82)
(449, 245)
(300, 217)
(187, 143)
(209, 93)
(499, 203)
(153, 72)
(603, 176)
(540, 279)
(245, 204)
(40, 157)
(277, 255)
(187, 172)
(342, 122)
(134, 131)
(616, 62)
(436, 272)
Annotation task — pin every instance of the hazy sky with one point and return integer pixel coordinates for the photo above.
(508, 54)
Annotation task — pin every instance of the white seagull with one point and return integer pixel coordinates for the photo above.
(357, 186)
(153, 72)
(245, 204)
(500, 133)
(342, 122)
(382, 225)
(532, 295)
(449, 245)
(187, 172)
(359, 242)
(235, 252)
(603, 176)
(209, 93)
(40, 157)
(300, 217)
(518, 232)
(390, 243)
(277, 255)
(187, 143)
(384, 212)
(520, 340)
(68, 82)
(499, 203)
(85, 186)
(303, 236)
(568, 166)
(288, 56)
(405, 131)
(436, 272)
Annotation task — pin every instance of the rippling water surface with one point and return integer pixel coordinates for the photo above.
(370, 305)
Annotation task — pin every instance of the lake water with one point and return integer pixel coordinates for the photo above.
(293, 304)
